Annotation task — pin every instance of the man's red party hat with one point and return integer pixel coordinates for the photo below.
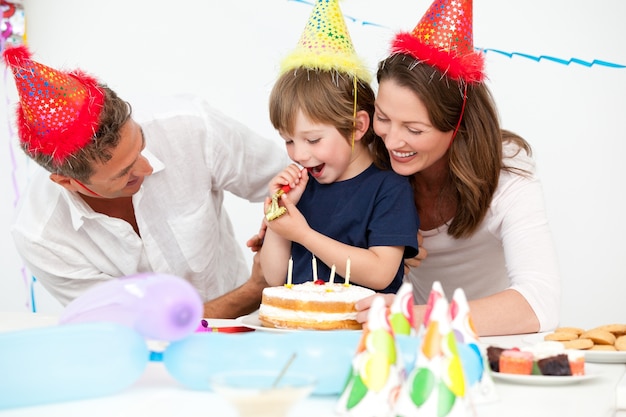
(58, 112)
(444, 39)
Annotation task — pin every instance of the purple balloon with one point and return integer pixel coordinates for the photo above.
(158, 306)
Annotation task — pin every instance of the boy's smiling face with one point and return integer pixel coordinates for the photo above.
(319, 148)
(326, 154)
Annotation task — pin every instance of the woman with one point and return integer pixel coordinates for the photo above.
(481, 208)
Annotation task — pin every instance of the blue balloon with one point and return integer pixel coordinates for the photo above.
(159, 306)
(326, 355)
(62, 363)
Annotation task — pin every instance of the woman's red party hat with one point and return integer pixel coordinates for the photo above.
(58, 112)
(444, 39)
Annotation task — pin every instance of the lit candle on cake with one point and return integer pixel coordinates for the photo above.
(332, 275)
(347, 272)
(314, 263)
(290, 272)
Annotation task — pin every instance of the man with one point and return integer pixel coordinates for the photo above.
(119, 197)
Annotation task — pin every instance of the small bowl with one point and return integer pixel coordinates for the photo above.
(253, 395)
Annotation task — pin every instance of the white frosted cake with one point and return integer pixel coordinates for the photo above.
(315, 305)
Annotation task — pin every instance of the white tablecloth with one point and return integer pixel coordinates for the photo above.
(157, 394)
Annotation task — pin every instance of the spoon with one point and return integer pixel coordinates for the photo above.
(282, 371)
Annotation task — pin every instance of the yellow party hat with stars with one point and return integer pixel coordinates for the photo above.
(326, 45)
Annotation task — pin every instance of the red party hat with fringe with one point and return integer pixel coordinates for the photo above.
(444, 39)
(58, 112)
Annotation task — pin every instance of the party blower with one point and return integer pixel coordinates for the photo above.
(274, 211)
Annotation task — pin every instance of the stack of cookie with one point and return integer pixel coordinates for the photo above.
(609, 337)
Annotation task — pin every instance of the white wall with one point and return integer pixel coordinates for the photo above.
(228, 51)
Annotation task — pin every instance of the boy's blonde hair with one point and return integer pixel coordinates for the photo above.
(322, 96)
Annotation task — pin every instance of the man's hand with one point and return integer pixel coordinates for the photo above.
(242, 300)
(256, 241)
(257, 278)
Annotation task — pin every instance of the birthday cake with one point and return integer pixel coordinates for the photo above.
(313, 305)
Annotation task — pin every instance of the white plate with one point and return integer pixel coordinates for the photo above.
(600, 356)
(252, 321)
(594, 356)
(591, 372)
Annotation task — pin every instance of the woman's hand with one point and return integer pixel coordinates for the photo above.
(363, 308)
(416, 261)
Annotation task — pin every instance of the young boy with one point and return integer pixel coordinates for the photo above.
(322, 106)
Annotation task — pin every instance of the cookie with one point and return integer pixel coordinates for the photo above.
(578, 344)
(604, 348)
(599, 336)
(561, 336)
(576, 330)
(620, 343)
(616, 329)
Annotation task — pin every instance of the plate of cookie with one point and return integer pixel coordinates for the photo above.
(601, 344)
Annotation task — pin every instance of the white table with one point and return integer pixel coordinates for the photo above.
(157, 394)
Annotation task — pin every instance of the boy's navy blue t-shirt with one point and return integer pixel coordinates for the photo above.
(375, 208)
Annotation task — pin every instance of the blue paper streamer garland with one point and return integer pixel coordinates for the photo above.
(563, 61)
